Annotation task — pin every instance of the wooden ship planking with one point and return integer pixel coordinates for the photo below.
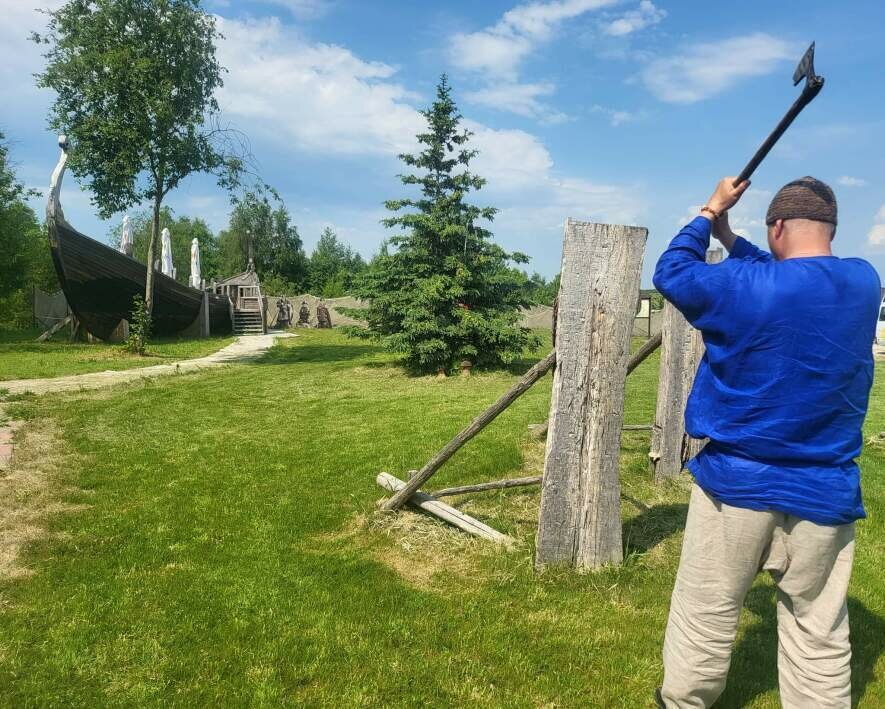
(100, 282)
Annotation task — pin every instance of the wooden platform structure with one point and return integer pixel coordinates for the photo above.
(248, 307)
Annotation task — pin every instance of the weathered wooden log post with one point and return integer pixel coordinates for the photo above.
(580, 519)
(681, 351)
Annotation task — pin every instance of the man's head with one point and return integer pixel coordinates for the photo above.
(801, 218)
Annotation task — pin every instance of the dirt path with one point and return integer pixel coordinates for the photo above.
(244, 349)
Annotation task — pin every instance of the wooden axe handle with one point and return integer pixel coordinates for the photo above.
(811, 90)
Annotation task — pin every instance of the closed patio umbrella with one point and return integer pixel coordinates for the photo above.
(195, 264)
(126, 238)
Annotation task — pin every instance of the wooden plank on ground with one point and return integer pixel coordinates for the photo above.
(580, 519)
(445, 512)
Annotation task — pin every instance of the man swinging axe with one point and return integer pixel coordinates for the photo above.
(781, 394)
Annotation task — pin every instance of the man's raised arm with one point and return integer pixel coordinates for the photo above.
(682, 274)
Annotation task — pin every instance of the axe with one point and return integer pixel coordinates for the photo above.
(813, 85)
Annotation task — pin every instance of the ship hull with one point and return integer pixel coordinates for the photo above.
(100, 284)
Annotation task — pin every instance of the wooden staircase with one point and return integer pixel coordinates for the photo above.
(248, 315)
(248, 322)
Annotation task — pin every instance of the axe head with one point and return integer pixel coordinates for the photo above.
(805, 70)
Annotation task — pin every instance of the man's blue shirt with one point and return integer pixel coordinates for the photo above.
(783, 387)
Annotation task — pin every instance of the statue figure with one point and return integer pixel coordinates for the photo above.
(304, 315)
(283, 313)
(324, 320)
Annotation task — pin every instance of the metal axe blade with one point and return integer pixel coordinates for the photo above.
(813, 85)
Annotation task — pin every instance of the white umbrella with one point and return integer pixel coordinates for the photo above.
(166, 255)
(195, 263)
(126, 238)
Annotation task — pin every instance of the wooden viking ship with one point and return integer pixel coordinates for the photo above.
(100, 282)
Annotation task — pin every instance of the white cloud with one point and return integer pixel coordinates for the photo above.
(499, 49)
(876, 236)
(323, 98)
(303, 9)
(615, 117)
(533, 196)
(645, 15)
(317, 96)
(709, 69)
(848, 181)
(521, 99)
(511, 160)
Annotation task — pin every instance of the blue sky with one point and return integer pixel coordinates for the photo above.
(624, 112)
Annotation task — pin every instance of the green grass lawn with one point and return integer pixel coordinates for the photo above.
(211, 540)
(21, 357)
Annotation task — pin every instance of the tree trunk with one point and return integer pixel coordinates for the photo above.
(682, 349)
(152, 254)
(580, 519)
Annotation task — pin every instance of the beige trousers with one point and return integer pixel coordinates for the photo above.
(724, 548)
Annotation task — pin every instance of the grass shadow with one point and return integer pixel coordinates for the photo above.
(652, 525)
(319, 353)
(754, 661)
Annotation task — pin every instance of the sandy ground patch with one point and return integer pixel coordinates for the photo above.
(30, 492)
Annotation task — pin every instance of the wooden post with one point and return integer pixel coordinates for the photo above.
(580, 519)
(681, 351)
(400, 497)
(205, 329)
(539, 430)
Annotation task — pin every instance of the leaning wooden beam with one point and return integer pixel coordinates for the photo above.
(399, 498)
(482, 487)
(439, 509)
(54, 329)
(681, 354)
(580, 517)
(649, 346)
(539, 430)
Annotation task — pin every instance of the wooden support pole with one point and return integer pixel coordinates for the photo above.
(399, 498)
(54, 329)
(482, 487)
(449, 514)
(681, 352)
(580, 519)
(640, 355)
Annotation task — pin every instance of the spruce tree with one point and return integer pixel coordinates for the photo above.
(444, 292)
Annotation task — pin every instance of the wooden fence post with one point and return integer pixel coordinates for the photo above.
(681, 351)
(580, 518)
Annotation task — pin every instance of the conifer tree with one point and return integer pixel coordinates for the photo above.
(444, 292)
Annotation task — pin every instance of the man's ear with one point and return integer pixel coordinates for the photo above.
(778, 228)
